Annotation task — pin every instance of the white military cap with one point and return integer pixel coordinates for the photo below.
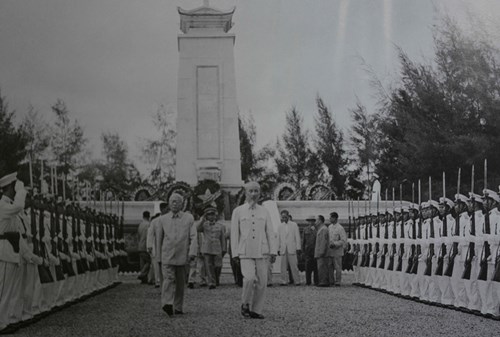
(433, 203)
(477, 197)
(8, 179)
(491, 194)
(447, 201)
(461, 197)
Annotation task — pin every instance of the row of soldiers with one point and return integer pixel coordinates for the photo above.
(445, 252)
(55, 253)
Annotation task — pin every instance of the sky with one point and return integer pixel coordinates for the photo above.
(114, 62)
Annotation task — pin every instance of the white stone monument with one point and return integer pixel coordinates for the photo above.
(208, 145)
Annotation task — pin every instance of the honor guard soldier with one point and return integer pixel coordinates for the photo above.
(445, 247)
(474, 238)
(428, 284)
(462, 221)
(11, 205)
(490, 299)
(411, 250)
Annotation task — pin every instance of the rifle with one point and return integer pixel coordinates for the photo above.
(79, 265)
(496, 274)
(54, 221)
(483, 265)
(82, 243)
(470, 251)
(63, 244)
(468, 261)
(43, 269)
(391, 257)
(414, 268)
(413, 247)
(377, 249)
(454, 249)
(89, 241)
(440, 261)
(430, 253)
(401, 253)
(368, 253)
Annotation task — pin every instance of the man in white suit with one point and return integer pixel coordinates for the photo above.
(252, 240)
(289, 248)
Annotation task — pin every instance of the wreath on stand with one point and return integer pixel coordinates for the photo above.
(284, 191)
(142, 193)
(207, 194)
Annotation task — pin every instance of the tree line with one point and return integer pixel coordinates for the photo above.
(438, 115)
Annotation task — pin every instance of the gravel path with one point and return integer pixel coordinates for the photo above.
(132, 309)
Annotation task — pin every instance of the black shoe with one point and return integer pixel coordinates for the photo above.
(323, 285)
(168, 309)
(157, 286)
(190, 285)
(245, 310)
(178, 312)
(256, 315)
(211, 286)
(270, 285)
(203, 285)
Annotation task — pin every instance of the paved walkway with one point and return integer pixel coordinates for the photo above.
(132, 309)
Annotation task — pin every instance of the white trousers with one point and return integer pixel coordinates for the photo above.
(288, 259)
(254, 283)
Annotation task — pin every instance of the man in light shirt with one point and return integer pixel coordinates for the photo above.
(289, 248)
(338, 240)
(176, 241)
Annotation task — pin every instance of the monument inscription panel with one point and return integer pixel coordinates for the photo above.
(207, 79)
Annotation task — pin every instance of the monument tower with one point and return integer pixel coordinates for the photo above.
(208, 144)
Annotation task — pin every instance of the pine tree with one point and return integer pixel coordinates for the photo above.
(329, 143)
(293, 151)
(13, 149)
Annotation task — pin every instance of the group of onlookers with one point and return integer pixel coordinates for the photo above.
(322, 247)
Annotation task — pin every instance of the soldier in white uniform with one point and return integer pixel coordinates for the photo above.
(462, 220)
(490, 299)
(444, 247)
(475, 246)
(252, 239)
(11, 205)
(432, 293)
(411, 252)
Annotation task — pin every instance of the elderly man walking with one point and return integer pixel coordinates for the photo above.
(252, 240)
(289, 248)
(176, 240)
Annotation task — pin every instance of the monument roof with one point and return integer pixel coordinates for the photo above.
(206, 17)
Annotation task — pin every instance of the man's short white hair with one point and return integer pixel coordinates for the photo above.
(251, 184)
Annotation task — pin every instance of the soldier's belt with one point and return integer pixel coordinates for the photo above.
(13, 238)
